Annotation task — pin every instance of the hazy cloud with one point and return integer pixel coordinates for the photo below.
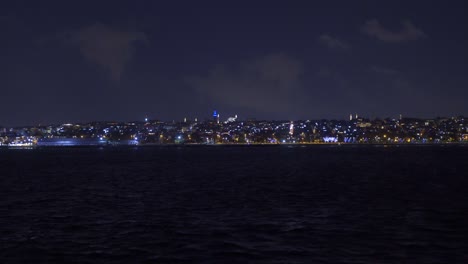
(332, 42)
(108, 47)
(409, 31)
(383, 70)
(267, 84)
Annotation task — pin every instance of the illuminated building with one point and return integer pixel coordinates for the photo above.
(330, 139)
(231, 119)
(215, 117)
(71, 142)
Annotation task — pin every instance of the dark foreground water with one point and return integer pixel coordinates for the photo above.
(316, 204)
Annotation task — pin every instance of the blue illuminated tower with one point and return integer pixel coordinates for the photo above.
(215, 117)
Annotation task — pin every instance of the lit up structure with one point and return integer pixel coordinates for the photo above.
(291, 128)
(215, 117)
(330, 139)
(349, 139)
(71, 142)
(231, 119)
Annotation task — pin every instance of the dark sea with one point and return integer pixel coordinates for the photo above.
(235, 204)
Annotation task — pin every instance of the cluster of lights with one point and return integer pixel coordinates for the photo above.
(250, 132)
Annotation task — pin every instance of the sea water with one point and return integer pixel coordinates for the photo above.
(228, 204)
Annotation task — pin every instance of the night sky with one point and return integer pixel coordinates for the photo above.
(77, 61)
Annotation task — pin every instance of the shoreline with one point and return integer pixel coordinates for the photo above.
(152, 145)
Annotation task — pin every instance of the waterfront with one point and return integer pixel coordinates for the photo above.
(233, 131)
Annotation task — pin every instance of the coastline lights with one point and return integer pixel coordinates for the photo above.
(330, 139)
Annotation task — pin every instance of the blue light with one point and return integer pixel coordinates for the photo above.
(215, 113)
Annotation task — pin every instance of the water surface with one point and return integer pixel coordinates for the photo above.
(278, 204)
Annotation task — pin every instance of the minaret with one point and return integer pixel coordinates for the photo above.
(350, 117)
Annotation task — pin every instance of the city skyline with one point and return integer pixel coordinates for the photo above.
(229, 118)
(355, 130)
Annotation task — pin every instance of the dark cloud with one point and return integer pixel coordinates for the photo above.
(383, 70)
(268, 84)
(332, 42)
(7, 17)
(409, 32)
(13, 22)
(108, 47)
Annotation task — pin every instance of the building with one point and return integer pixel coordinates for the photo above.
(231, 119)
(215, 117)
(71, 142)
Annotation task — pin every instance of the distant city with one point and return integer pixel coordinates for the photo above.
(233, 130)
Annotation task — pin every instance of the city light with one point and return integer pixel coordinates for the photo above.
(355, 131)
